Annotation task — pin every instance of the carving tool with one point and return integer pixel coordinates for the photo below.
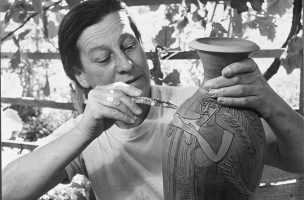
(155, 102)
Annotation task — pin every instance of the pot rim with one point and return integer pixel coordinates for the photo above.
(223, 45)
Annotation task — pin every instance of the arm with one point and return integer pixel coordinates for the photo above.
(243, 85)
(286, 150)
(32, 175)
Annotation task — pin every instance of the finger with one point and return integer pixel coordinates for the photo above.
(111, 99)
(234, 91)
(116, 115)
(215, 83)
(127, 89)
(220, 82)
(126, 100)
(240, 67)
(247, 102)
(130, 103)
(116, 104)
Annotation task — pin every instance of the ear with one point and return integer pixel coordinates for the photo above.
(81, 78)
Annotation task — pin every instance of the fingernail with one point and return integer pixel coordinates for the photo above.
(138, 91)
(221, 100)
(226, 72)
(212, 93)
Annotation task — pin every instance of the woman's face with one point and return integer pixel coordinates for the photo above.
(110, 52)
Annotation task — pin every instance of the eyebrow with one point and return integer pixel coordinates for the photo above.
(125, 36)
(97, 48)
(105, 47)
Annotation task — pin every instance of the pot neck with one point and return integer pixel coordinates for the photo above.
(214, 63)
(211, 72)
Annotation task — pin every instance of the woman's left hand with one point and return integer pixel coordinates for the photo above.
(243, 85)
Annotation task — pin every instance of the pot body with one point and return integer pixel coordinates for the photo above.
(212, 152)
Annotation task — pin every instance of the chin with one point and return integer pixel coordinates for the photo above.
(143, 83)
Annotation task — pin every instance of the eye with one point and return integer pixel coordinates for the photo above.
(129, 44)
(104, 60)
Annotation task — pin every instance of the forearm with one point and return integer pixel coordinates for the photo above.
(32, 175)
(288, 148)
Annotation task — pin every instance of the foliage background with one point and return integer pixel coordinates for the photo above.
(32, 25)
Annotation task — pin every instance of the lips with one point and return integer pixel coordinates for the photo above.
(132, 80)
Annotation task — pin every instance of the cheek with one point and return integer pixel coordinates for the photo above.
(100, 76)
(142, 62)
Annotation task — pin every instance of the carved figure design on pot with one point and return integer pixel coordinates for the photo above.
(210, 151)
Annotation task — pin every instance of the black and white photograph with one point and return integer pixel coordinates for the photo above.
(152, 99)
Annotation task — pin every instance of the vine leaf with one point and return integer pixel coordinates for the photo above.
(10, 12)
(16, 59)
(195, 2)
(154, 8)
(266, 26)
(59, 16)
(203, 1)
(217, 30)
(200, 15)
(164, 36)
(294, 57)
(5, 5)
(196, 17)
(37, 5)
(241, 5)
(19, 15)
(23, 34)
(7, 16)
(2, 24)
(173, 78)
(256, 4)
(156, 73)
(171, 12)
(16, 41)
(279, 6)
(182, 24)
(52, 29)
(46, 88)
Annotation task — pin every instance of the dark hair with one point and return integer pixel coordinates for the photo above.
(75, 21)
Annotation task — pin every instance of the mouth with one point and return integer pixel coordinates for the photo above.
(132, 80)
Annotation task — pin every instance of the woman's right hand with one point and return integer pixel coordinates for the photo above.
(108, 104)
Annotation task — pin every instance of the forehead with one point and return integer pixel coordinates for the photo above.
(111, 27)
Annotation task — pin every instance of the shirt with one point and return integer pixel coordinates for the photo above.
(127, 163)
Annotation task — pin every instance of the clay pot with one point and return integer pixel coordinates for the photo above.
(210, 151)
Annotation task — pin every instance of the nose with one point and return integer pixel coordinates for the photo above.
(124, 63)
